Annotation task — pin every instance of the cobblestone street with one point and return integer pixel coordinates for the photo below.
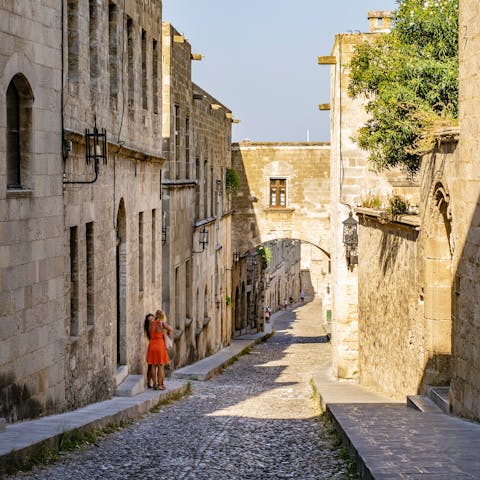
(255, 421)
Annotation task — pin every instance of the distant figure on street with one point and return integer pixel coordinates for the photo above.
(302, 296)
(157, 355)
(285, 304)
(268, 314)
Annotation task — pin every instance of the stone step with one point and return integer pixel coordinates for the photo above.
(439, 395)
(131, 386)
(422, 403)
(121, 375)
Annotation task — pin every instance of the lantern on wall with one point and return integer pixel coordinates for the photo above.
(350, 240)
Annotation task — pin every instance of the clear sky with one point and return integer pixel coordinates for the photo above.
(261, 58)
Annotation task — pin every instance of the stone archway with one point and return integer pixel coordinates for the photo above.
(438, 289)
(121, 285)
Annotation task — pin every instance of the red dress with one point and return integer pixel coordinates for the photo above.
(157, 352)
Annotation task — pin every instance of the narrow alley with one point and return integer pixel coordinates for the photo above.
(257, 420)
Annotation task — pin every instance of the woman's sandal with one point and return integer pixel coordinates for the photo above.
(162, 387)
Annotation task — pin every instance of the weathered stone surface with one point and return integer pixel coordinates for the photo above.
(304, 216)
(255, 421)
(196, 144)
(31, 220)
(464, 193)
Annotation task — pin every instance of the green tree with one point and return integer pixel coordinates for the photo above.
(409, 79)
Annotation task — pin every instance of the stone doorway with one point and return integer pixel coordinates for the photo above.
(121, 285)
(438, 291)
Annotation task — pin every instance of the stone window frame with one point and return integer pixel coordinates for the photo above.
(90, 271)
(155, 75)
(74, 282)
(113, 60)
(19, 136)
(144, 69)
(130, 39)
(277, 186)
(176, 140)
(73, 41)
(93, 20)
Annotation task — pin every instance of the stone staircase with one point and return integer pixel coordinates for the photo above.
(128, 385)
(436, 400)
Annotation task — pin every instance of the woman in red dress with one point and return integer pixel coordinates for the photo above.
(157, 355)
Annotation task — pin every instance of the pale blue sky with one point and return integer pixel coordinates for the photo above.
(261, 58)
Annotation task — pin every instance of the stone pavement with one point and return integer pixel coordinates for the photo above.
(258, 420)
(391, 441)
(26, 438)
(394, 442)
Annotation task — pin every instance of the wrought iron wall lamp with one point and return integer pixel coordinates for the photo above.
(350, 240)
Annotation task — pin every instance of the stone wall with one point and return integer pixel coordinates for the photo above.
(464, 193)
(113, 224)
(389, 313)
(32, 380)
(305, 215)
(351, 181)
(405, 284)
(212, 266)
(179, 188)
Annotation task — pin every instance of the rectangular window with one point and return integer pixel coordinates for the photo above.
(205, 189)
(90, 261)
(187, 148)
(177, 297)
(278, 192)
(154, 245)
(74, 281)
(140, 252)
(13, 137)
(212, 193)
(130, 63)
(197, 188)
(155, 76)
(144, 71)
(176, 119)
(113, 53)
(93, 42)
(188, 288)
(73, 44)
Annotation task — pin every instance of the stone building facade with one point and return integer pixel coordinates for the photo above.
(32, 353)
(283, 204)
(113, 209)
(178, 185)
(196, 144)
(212, 228)
(464, 193)
(406, 286)
(351, 182)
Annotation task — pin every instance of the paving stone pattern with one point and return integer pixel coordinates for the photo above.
(257, 420)
(398, 443)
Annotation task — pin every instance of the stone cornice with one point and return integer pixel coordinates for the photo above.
(380, 215)
(125, 150)
(173, 184)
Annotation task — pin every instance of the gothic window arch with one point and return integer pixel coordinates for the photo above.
(19, 100)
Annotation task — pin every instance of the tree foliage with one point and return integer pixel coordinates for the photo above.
(409, 79)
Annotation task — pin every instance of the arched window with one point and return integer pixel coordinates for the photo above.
(19, 120)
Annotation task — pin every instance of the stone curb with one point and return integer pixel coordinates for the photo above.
(32, 439)
(207, 368)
